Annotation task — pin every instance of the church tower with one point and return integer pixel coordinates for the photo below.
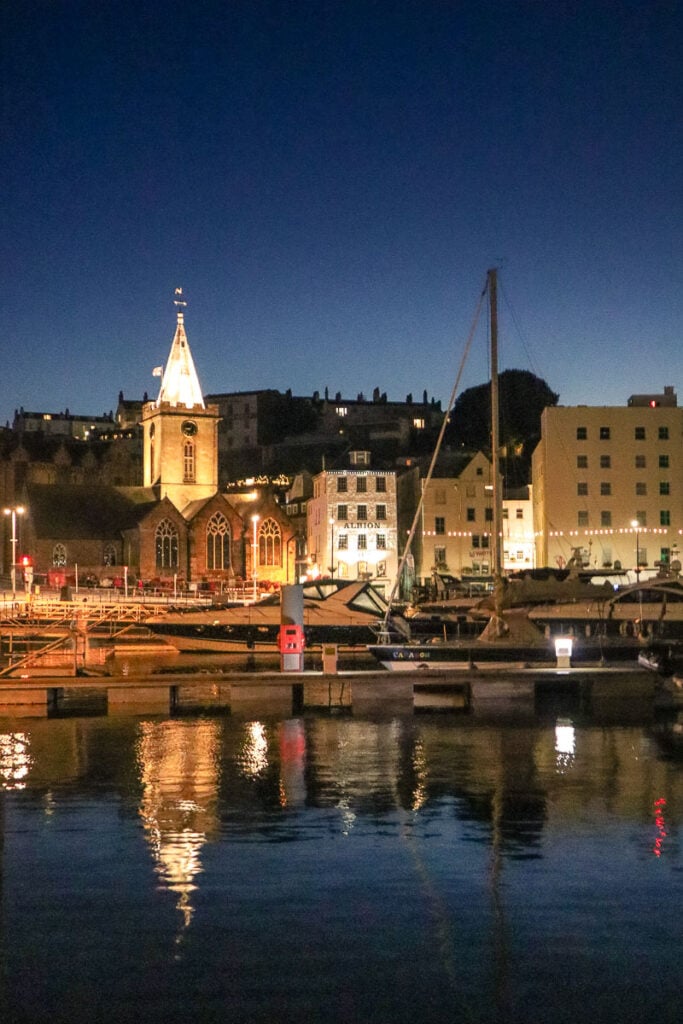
(180, 431)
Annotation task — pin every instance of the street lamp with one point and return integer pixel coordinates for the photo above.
(636, 526)
(331, 567)
(14, 511)
(254, 548)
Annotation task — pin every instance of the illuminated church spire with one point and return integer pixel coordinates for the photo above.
(180, 384)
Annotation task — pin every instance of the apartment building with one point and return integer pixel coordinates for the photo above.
(608, 484)
(352, 523)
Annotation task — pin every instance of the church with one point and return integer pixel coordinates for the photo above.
(175, 527)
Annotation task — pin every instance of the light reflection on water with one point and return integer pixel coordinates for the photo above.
(338, 869)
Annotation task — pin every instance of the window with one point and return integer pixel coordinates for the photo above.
(485, 540)
(640, 433)
(582, 488)
(188, 462)
(604, 433)
(605, 462)
(381, 541)
(343, 541)
(488, 515)
(581, 433)
(361, 484)
(381, 484)
(166, 544)
(475, 540)
(439, 525)
(605, 519)
(59, 555)
(480, 471)
(471, 516)
(362, 513)
(217, 542)
(506, 513)
(342, 484)
(419, 423)
(380, 511)
(641, 462)
(359, 458)
(664, 487)
(109, 555)
(663, 461)
(269, 543)
(582, 518)
(582, 462)
(519, 513)
(641, 518)
(342, 512)
(605, 488)
(641, 488)
(362, 541)
(664, 517)
(439, 556)
(341, 410)
(663, 433)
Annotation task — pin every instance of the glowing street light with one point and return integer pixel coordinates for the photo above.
(254, 548)
(636, 526)
(14, 511)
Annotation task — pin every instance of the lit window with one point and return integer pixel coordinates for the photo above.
(362, 541)
(269, 543)
(381, 542)
(418, 423)
(341, 410)
(188, 462)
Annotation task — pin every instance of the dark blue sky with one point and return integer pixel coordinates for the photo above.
(329, 182)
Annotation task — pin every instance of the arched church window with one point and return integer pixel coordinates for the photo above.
(151, 461)
(59, 555)
(188, 462)
(109, 555)
(270, 543)
(217, 542)
(166, 545)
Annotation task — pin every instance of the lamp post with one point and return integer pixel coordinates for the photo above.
(636, 526)
(14, 511)
(254, 548)
(331, 566)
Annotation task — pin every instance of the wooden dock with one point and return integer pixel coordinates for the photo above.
(358, 692)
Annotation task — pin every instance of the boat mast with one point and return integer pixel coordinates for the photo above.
(497, 512)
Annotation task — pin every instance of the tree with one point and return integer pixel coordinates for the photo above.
(522, 397)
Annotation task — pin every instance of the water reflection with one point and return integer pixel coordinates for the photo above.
(333, 868)
(179, 771)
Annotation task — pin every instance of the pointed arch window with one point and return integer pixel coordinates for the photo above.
(189, 462)
(166, 543)
(109, 555)
(270, 543)
(217, 542)
(59, 555)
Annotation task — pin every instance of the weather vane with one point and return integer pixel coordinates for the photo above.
(179, 301)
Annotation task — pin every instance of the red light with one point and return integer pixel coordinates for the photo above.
(653, 403)
(25, 560)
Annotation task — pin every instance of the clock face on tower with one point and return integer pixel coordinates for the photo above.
(189, 428)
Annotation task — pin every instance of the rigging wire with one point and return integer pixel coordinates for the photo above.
(435, 454)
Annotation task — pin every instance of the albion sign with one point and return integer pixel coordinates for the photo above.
(365, 526)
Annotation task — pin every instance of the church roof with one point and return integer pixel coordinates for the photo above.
(180, 384)
(81, 512)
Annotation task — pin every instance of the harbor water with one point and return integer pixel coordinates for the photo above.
(333, 868)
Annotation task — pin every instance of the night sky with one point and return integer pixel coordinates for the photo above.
(329, 183)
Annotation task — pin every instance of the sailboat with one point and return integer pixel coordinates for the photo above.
(509, 635)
